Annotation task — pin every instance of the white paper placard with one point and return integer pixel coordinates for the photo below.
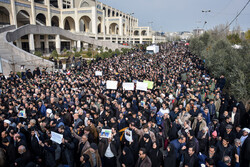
(128, 135)
(128, 86)
(142, 86)
(106, 133)
(56, 137)
(98, 73)
(111, 85)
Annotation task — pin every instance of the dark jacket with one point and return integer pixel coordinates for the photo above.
(145, 163)
(156, 157)
(128, 158)
(103, 145)
(170, 160)
(223, 151)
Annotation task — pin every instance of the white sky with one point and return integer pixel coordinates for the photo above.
(184, 15)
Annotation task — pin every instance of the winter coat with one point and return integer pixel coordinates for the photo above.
(202, 124)
(145, 163)
(97, 156)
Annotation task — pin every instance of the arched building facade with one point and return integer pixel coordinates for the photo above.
(88, 17)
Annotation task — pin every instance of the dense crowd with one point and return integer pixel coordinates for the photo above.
(185, 120)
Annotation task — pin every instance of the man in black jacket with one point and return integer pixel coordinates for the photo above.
(190, 158)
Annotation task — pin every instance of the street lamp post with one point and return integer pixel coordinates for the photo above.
(205, 11)
(130, 14)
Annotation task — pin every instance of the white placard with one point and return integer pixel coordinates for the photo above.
(142, 86)
(98, 73)
(128, 135)
(106, 133)
(128, 86)
(56, 137)
(111, 85)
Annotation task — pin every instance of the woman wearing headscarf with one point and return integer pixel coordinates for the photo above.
(126, 159)
(146, 143)
(170, 159)
(156, 156)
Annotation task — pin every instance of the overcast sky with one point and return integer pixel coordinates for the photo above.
(184, 15)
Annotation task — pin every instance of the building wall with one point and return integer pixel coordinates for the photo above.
(93, 18)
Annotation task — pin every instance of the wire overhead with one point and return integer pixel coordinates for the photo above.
(236, 16)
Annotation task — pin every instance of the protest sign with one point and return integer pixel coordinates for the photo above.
(141, 86)
(128, 135)
(98, 73)
(106, 133)
(150, 84)
(56, 137)
(111, 84)
(128, 86)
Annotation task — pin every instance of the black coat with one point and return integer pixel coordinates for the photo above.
(128, 158)
(170, 160)
(245, 152)
(156, 157)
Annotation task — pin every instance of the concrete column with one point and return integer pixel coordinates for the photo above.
(140, 39)
(78, 45)
(71, 4)
(116, 40)
(13, 20)
(120, 27)
(48, 19)
(33, 13)
(37, 43)
(106, 12)
(19, 43)
(125, 29)
(94, 20)
(153, 40)
(73, 44)
(107, 28)
(60, 4)
(58, 44)
(77, 26)
(31, 43)
(103, 23)
(46, 43)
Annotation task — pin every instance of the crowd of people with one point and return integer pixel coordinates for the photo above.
(184, 120)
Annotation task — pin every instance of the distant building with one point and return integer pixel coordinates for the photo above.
(90, 18)
(198, 31)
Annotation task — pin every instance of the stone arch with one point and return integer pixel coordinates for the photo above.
(99, 25)
(144, 33)
(69, 24)
(136, 33)
(124, 28)
(84, 4)
(55, 21)
(23, 18)
(113, 28)
(104, 11)
(85, 24)
(113, 13)
(41, 19)
(4, 16)
(98, 6)
(109, 12)
(117, 14)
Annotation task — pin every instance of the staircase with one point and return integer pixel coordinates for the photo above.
(13, 58)
(39, 22)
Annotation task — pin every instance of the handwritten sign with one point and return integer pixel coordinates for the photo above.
(56, 137)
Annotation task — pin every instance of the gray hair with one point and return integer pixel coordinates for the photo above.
(205, 128)
(236, 140)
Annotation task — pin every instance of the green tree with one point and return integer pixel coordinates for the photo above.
(234, 38)
(89, 53)
(54, 54)
(247, 36)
